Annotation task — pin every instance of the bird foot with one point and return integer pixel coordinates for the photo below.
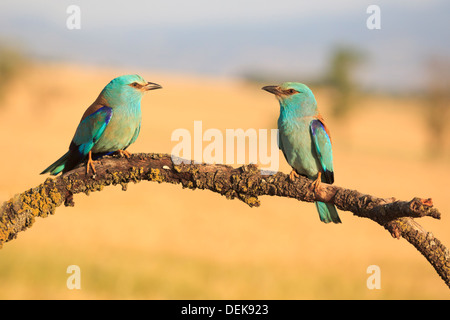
(90, 164)
(316, 184)
(124, 153)
(293, 175)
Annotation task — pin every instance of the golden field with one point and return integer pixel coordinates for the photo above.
(158, 241)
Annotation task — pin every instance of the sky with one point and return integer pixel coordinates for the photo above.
(176, 12)
(235, 37)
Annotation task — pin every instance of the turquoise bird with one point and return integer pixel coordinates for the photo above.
(305, 140)
(109, 125)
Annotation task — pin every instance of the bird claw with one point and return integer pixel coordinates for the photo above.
(316, 184)
(124, 153)
(90, 164)
(293, 175)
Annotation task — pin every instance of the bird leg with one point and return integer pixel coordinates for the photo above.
(124, 153)
(90, 163)
(316, 184)
(293, 175)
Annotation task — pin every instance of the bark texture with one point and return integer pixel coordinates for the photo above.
(245, 183)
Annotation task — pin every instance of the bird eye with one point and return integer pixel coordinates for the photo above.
(134, 84)
(292, 91)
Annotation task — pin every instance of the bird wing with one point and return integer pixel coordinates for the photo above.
(280, 145)
(90, 130)
(322, 145)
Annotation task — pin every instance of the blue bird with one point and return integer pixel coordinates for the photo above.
(305, 140)
(109, 125)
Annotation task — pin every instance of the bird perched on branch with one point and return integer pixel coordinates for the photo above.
(109, 125)
(305, 140)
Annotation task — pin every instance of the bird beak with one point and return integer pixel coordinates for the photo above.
(151, 86)
(273, 89)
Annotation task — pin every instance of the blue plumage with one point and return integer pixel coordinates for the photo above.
(109, 125)
(323, 151)
(305, 140)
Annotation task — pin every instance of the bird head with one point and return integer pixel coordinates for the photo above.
(294, 96)
(128, 88)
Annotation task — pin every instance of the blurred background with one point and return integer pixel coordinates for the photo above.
(384, 94)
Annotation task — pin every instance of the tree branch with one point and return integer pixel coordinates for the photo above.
(246, 183)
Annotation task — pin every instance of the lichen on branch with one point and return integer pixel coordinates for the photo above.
(246, 183)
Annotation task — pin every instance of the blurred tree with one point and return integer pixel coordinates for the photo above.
(437, 104)
(12, 60)
(340, 76)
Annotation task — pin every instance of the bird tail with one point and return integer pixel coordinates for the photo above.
(58, 165)
(327, 212)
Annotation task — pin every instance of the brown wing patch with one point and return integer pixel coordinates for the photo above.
(100, 102)
(320, 118)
